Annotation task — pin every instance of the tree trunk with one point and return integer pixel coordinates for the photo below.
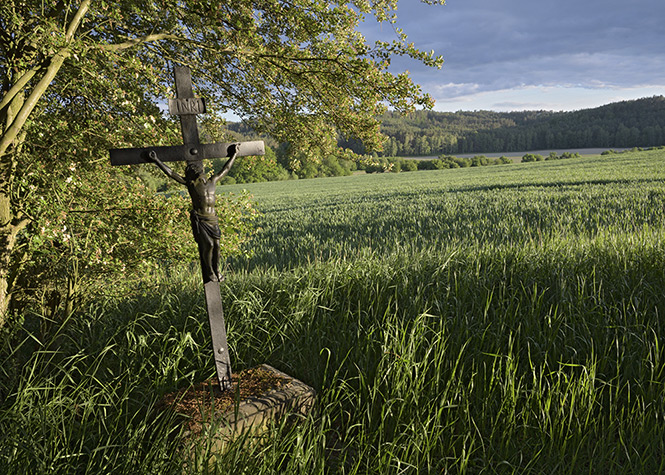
(9, 227)
(15, 109)
(5, 252)
(9, 230)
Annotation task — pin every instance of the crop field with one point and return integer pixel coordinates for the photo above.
(503, 206)
(503, 319)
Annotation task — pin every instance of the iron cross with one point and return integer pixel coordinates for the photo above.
(201, 188)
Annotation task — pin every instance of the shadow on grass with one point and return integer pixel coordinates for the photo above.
(412, 356)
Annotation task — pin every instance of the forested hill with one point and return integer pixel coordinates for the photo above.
(637, 123)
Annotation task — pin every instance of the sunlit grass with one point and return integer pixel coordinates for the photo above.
(508, 205)
(478, 320)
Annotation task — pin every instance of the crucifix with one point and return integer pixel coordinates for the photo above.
(201, 188)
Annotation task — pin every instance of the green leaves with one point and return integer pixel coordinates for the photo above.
(79, 78)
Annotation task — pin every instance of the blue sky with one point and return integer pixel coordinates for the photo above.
(506, 55)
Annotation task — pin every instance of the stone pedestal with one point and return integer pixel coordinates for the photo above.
(249, 418)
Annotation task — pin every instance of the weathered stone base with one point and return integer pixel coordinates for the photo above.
(250, 418)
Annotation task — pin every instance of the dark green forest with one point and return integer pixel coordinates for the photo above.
(638, 123)
(627, 124)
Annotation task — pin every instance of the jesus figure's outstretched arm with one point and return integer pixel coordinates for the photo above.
(165, 168)
(232, 152)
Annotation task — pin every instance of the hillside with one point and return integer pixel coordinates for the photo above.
(622, 124)
(626, 124)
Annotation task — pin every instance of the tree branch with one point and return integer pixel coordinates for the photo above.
(17, 229)
(137, 41)
(157, 37)
(16, 88)
(57, 60)
(19, 121)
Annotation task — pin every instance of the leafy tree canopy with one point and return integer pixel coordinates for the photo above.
(79, 77)
(296, 69)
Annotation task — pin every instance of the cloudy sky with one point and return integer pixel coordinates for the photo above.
(508, 55)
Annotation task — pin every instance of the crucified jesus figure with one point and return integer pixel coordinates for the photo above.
(205, 223)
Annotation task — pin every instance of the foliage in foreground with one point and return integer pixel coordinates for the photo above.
(527, 337)
(78, 78)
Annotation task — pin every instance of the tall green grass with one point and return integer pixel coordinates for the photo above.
(494, 320)
(509, 205)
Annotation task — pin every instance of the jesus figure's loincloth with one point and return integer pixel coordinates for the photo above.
(205, 225)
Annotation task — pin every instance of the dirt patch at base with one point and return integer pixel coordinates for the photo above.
(198, 402)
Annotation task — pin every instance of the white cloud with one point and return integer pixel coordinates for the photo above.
(506, 55)
(555, 98)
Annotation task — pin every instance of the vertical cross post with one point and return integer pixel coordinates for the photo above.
(202, 191)
(190, 137)
(179, 106)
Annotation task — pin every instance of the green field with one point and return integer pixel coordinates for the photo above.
(481, 320)
(454, 210)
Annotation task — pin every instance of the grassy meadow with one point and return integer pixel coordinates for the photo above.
(504, 319)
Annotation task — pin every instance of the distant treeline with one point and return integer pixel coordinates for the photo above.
(274, 166)
(624, 124)
(628, 124)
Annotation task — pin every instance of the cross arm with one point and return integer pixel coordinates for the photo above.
(178, 153)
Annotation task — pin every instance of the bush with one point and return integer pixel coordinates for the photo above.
(330, 167)
(570, 155)
(409, 165)
(457, 162)
(532, 157)
(87, 233)
(349, 166)
(255, 169)
(378, 165)
(373, 169)
(479, 161)
(309, 170)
